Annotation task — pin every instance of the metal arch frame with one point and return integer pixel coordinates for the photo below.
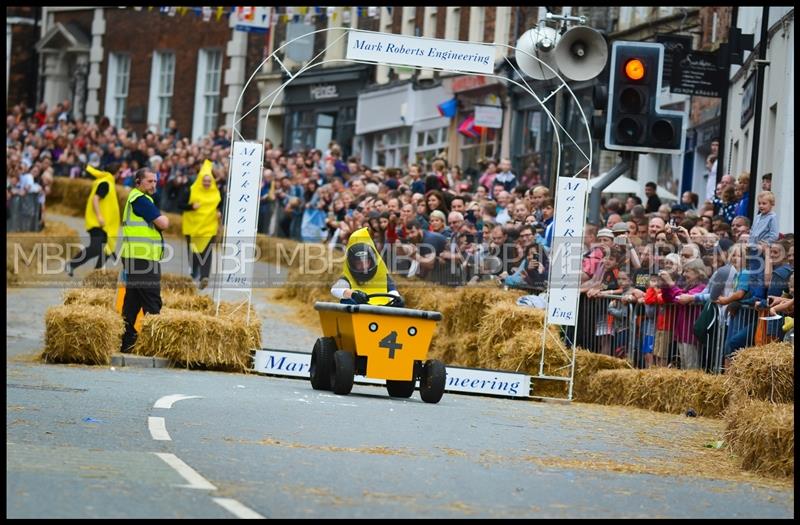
(522, 85)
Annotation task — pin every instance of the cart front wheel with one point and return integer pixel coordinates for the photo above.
(322, 362)
(431, 384)
(342, 372)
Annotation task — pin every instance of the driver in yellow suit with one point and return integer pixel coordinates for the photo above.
(365, 274)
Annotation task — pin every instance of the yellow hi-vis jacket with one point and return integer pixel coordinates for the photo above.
(140, 240)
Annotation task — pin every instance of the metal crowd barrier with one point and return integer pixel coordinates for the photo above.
(24, 213)
(632, 330)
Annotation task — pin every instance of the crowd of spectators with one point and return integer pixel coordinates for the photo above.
(434, 223)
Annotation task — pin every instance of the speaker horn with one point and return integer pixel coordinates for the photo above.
(581, 53)
(541, 43)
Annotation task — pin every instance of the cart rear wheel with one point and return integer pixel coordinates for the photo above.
(322, 362)
(431, 384)
(400, 388)
(342, 372)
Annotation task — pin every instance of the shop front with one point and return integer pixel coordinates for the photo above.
(399, 124)
(321, 107)
(472, 149)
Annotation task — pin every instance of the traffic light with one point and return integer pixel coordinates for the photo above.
(634, 121)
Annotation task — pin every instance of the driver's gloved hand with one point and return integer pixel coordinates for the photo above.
(359, 297)
(398, 302)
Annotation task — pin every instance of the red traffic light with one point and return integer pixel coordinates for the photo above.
(634, 69)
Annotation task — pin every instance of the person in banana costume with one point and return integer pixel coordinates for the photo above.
(101, 218)
(365, 273)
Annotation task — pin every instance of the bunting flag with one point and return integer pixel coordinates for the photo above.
(448, 108)
(308, 19)
(331, 10)
(207, 14)
(220, 10)
(346, 15)
(372, 11)
(469, 129)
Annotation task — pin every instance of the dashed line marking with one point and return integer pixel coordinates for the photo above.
(158, 428)
(196, 481)
(168, 401)
(237, 509)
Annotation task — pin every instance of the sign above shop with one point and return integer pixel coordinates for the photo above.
(489, 116)
(698, 73)
(449, 55)
(323, 91)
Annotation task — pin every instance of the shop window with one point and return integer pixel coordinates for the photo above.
(391, 149)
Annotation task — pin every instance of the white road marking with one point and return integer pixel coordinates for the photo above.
(158, 429)
(237, 509)
(196, 481)
(168, 401)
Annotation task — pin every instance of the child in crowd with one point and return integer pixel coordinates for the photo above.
(695, 276)
(765, 224)
(654, 297)
(618, 313)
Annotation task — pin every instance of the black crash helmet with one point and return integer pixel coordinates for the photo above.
(361, 261)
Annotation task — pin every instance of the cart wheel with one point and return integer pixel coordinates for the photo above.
(322, 362)
(431, 384)
(400, 388)
(342, 372)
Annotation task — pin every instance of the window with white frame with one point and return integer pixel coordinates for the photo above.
(119, 72)
(162, 82)
(207, 96)
(430, 143)
(391, 148)
(452, 23)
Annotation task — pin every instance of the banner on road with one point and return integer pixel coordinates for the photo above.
(465, 380)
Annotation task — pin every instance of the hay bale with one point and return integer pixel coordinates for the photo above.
(101, 278)
(78, 333)
(184, 301)
(103, 297)
(173, 282)
(763, 372)
(587, 364)
(40, 255)
(659, 389)
(761, 434)
(455, 350)
(196, 339)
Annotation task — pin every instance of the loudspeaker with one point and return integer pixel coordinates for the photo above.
(540, 42)
(581, 53)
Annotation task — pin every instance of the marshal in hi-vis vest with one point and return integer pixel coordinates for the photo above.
(140, 240)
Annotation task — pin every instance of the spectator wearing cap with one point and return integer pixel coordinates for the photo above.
(621, 239)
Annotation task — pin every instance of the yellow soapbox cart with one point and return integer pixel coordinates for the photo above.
(379, 342)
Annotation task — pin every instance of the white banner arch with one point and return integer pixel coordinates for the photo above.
(522, 84)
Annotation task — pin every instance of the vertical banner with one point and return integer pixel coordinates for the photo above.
(566, 251)
(241, 216)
